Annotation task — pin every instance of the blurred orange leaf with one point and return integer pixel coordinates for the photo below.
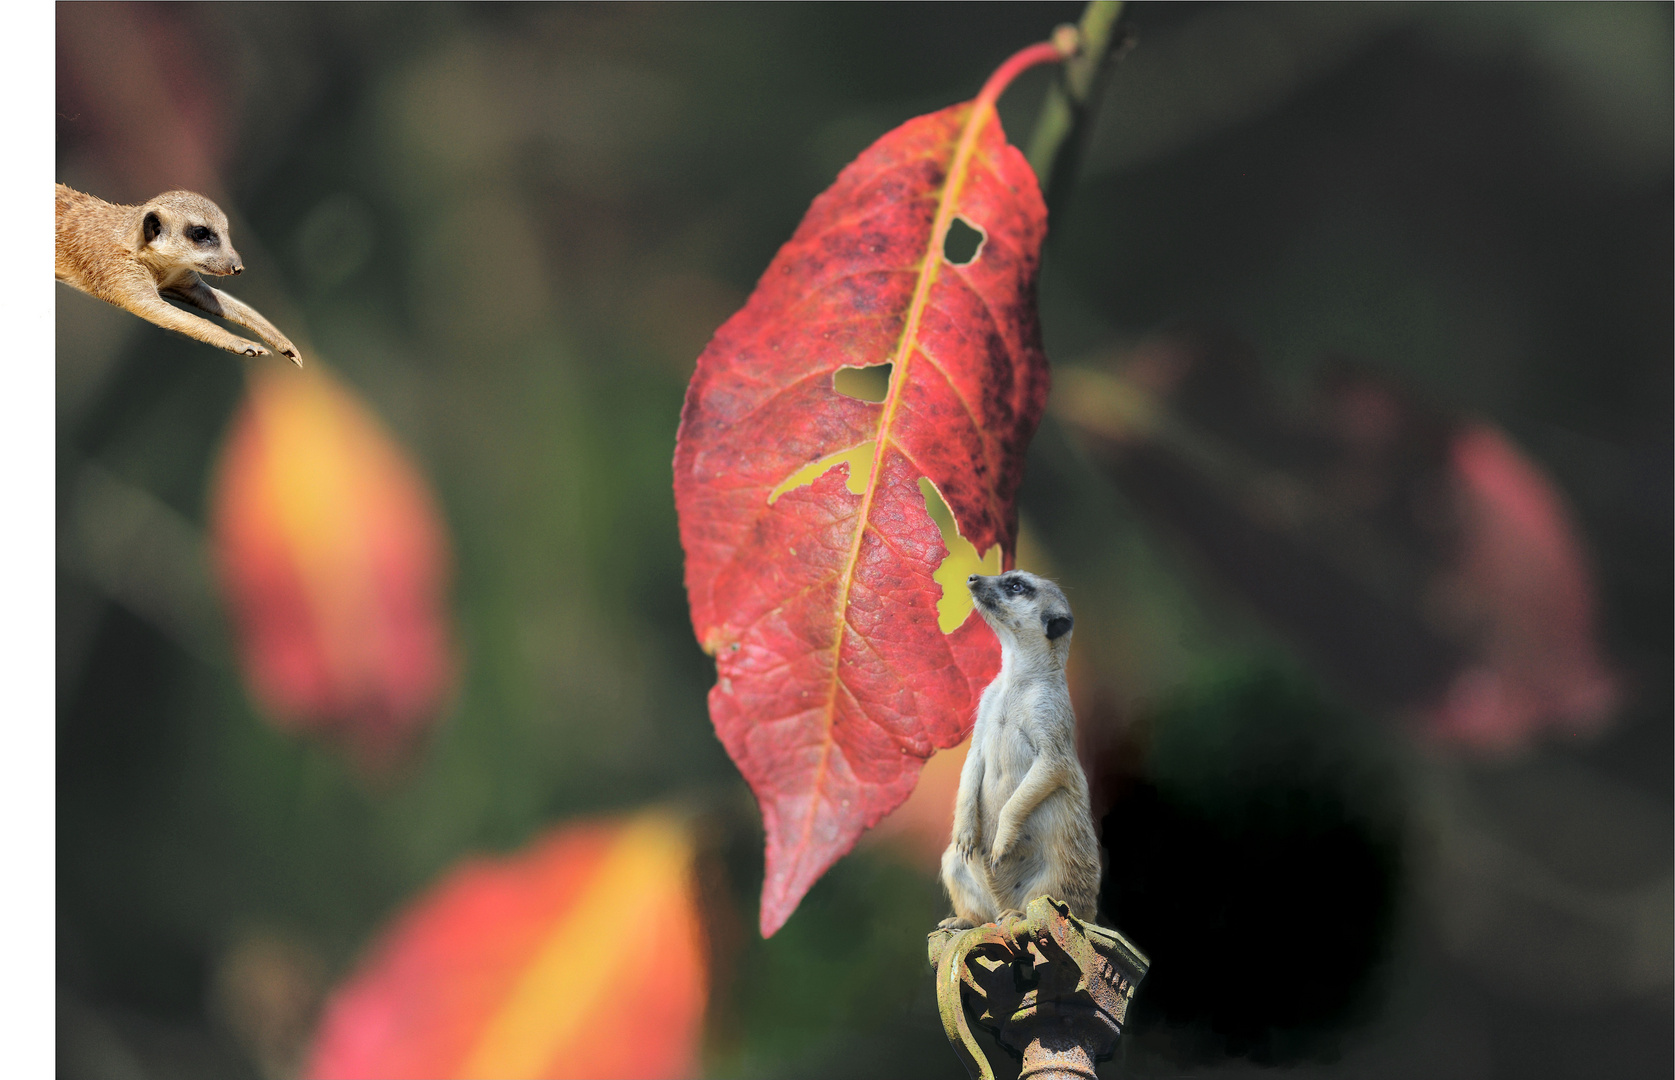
(582, 955)
(335, 561)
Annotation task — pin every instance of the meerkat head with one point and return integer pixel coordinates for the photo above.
(1026, 611)
(181, 231)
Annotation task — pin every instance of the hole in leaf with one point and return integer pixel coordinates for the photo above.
(961, 563)
(962, 242)
(863, 383)
(858, 458)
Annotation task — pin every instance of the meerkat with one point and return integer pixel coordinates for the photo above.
(134, 256)
(1023, 826)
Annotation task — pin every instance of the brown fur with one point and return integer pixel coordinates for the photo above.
(134, 256)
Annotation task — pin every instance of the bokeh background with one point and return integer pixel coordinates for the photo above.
(1357, 473)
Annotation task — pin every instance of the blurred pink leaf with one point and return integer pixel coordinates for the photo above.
(1418, 558)
(1522, 582)
(157, 111)
(335, 563)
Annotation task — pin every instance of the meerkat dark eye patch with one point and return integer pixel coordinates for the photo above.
(153, 227)
(1057, 625)
(200, 234)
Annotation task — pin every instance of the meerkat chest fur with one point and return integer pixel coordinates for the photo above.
(1023, 713)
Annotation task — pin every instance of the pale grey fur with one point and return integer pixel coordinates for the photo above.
(1022, 823)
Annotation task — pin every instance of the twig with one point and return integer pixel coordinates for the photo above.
(1055, 146)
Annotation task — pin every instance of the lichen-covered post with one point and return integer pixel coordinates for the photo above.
(1052, 988)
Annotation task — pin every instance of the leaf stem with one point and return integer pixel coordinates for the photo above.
(1047, 52)
(1055, 146)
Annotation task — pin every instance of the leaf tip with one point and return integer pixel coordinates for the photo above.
(778, 902)
(772, 919)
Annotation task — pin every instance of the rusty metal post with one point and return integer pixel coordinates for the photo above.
(1052, 988)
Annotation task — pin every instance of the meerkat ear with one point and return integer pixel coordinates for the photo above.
(1057, 625)
(152, 226)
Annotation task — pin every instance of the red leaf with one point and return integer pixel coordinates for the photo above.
(582, 955)
(335, 564)
(919, 828)
(812, 556)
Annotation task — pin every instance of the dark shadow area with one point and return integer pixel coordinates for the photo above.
(1257, 859)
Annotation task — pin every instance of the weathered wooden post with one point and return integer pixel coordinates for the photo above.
(1052, 988)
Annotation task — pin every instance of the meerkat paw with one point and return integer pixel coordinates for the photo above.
(965, 841)
(997, 854)
(955, 923)
(282, 345)
(1009, 923)
(248, 348)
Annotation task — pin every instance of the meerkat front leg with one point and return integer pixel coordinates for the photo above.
(213, 301)
(154, 309)
(968, 822)
(1040, 781)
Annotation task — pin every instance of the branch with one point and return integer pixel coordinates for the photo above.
(1055, 146)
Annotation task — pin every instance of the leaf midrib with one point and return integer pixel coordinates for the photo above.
(929, 270)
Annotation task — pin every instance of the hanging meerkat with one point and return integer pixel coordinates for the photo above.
(134, 256)
(1023, 826)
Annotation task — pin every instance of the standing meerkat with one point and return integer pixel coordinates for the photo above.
(134, 256)
(1023, 826)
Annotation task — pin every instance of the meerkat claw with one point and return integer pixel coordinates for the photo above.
(1008, 922)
